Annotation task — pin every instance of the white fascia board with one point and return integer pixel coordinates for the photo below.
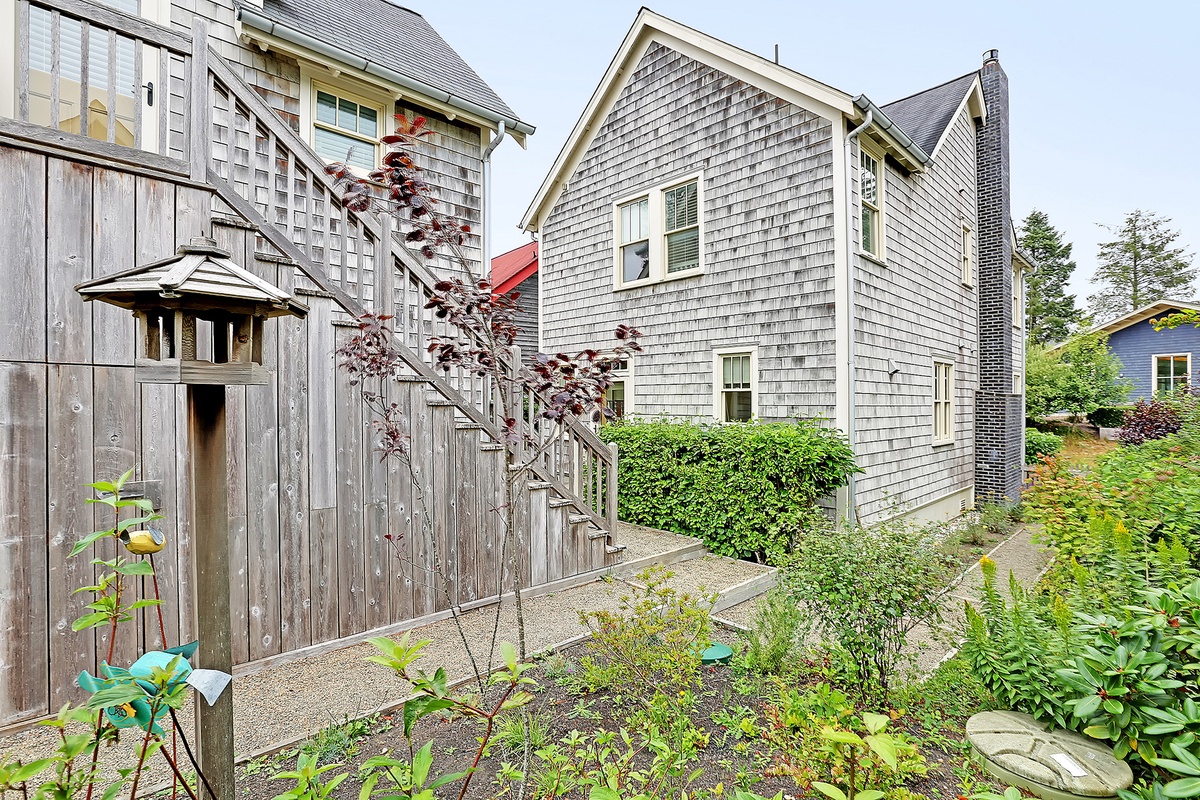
(649, 27)
(972, 101)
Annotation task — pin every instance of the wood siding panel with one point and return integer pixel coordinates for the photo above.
(23, 255)
(68, 261)
(768, 241)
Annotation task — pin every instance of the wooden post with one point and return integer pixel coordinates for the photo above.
(210, 577)
(199, 126)
(610, 499)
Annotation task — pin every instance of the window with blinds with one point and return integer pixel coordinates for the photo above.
(682, 227)
(346, 130)
(943, 402)
(658, 233)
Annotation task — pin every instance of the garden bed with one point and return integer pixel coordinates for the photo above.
(732, 710)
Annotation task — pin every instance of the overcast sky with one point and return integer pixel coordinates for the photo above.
(1105, 98)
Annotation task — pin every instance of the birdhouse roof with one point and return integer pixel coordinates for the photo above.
(197, 268)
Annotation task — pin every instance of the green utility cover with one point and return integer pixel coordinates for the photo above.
(1054, 764)
(717, 654)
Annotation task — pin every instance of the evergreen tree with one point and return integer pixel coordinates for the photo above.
(1140, 266)
(1049, 311)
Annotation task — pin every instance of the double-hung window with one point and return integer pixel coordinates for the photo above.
(682, 227)
(1170, 373)
(1018, 298)
(943, 402)
(659, 233)
(618, 396)
(870, 192)
(346, 129)
(968, 268)
(735, 381)
(635, 240)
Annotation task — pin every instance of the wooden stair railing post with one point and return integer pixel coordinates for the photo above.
(610, 491)
(199, 125)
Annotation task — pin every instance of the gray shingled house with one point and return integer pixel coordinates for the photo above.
(129, 127)
(793, 251)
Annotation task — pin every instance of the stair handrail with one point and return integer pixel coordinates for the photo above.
(380, 230)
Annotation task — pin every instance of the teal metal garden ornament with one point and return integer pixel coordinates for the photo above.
(132, 710)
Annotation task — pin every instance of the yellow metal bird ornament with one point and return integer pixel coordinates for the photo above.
(144, 542)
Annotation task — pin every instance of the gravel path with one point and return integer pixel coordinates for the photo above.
(277, 706)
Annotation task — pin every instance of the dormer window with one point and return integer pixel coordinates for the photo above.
(346, 128)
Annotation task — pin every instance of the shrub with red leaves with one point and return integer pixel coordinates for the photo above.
(1149, 420)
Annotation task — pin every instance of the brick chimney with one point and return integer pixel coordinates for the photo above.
(999, 413)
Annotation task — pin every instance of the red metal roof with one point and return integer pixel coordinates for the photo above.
(511, 268)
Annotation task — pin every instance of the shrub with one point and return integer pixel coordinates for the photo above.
(1150, 419)
(1039, 444)
(1109, 416)
(746, 490)
(774, 635)
(866, 588)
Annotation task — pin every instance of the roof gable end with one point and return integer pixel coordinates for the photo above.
(650, 28)
(928, 116)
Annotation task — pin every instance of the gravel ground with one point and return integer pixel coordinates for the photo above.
(641, 542)
(277, 706)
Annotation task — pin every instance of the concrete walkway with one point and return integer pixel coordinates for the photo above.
(285, 704)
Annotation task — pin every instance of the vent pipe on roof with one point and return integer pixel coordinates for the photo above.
(776, 54)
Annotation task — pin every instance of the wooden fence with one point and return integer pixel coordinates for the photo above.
(311, 505)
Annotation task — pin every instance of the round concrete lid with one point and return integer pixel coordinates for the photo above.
(1055, 764)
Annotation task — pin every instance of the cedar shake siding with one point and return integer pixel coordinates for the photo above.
(909, 312)
(768, 241)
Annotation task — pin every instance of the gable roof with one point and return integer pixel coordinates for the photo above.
(784, 83)
(510, 269)
(926, 115)
(1144, 313)
(650, 27)
(385, 40)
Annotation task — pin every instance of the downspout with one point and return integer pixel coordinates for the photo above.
(851, 434)
(484, 237)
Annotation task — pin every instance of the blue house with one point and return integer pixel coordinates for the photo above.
(1155, 362)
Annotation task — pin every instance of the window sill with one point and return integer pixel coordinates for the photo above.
(946, 443)
(674, 276)
(873, 259)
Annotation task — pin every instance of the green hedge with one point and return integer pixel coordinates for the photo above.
(745, 489)
(1109, 416)
(1038, 443)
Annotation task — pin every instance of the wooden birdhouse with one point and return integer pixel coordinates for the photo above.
(200, 316)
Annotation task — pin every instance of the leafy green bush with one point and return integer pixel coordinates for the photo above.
(1039, 444)
(1108, 416)
(866, 588)
(746, 490)
(774, 635)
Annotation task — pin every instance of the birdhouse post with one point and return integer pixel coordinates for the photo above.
(200, 324)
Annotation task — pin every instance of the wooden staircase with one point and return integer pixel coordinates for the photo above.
(263, 173)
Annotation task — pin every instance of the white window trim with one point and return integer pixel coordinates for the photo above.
(1154, 369)
(1018, 383)
(626, 376)
(1018, 297)
(933, 403)
(718, 377)
(966, 243)
(350, 90)
(880, 203)
(658, 233)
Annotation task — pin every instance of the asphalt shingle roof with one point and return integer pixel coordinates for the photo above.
(391, 36)
(925, 115)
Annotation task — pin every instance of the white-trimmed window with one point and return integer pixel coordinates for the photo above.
(659, 233)
(619, 396)
(943, 401)
(736, 384)
(870, 194)
(1171, 372)
(1018, 298)
(968, 264)
(346, 127)
(1018, 384)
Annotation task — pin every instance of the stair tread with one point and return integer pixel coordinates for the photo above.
(559, 502)
(597, 533)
